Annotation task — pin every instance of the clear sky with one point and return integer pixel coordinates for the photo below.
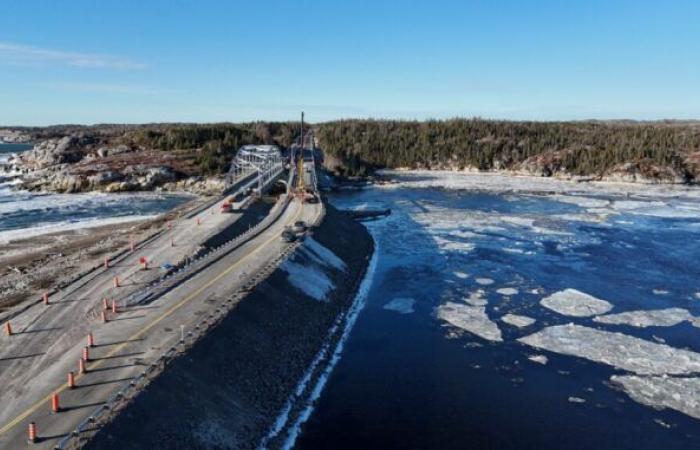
(80, 61)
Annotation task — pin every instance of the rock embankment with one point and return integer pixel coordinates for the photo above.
(84, 162)
(227, 391)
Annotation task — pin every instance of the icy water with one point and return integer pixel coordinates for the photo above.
(410, 380)
(25, 214)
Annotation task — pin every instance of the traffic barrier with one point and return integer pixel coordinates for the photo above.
(82, 369)
(90, 340)
(114, 306)
(86, 354)
(8, 329)
(106, 262)
(71, 380)
(104, 316)
(31, 438)
(55, 405)
(131, 243)
(116, 282)
(105, 305)
(45, 297)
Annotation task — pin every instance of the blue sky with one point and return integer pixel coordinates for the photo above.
(96, 61)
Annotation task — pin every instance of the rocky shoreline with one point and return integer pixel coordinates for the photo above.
(228, 390)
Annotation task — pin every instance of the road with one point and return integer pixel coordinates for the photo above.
(34, 363)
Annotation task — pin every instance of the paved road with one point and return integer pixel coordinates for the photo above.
(35, 362)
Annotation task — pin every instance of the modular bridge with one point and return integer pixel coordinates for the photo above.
(255, 167)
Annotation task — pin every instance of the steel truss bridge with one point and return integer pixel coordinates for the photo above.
(255, 167)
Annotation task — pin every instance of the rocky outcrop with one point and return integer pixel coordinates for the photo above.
(68, 149)
(646, 172)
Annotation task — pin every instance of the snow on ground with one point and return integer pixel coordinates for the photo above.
(507, 291)
(571, 302)
(615, 349)
(470, 318)
(648, 318)
(309, 279)
(39, 230)
(681, 394)
(518, 320)
(401, 305)
(484, 281)
(324, 255)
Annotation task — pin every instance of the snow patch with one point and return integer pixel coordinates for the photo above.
(309, 279)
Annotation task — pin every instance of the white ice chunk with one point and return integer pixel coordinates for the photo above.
(470, 318)
(461, 275)
(681, 394)
(539, 359)
(615, 349)
(476, 298)
(507, 291)
(484, 281)
(571, 302)
(649, 318)
(518, 320)
(401, 305)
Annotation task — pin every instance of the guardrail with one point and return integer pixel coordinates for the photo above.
(102, 415)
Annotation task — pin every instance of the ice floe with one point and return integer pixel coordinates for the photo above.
(681, 394)
(484, 281)
(571, 302)
(461, 275)
(401, 305)
(615, 349)
(518, 320)
(576, 400)
(476, 298)
(660, 291)
(470, 318)
(539, 359)
(648, 318)
(507, 291)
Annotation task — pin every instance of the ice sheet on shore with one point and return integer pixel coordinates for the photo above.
(517, 320)
(571, 302)
(470, 318)
(647, 318)
(681, 394)
(401, 305)
(308, 278)
(615, 349)
(323, 254)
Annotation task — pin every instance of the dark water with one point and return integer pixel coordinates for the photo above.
(14, 148)
(408, 381)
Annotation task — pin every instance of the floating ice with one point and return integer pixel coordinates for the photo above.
(576, 400)
(697, 295)
(660, 291)
(539, 359)
(571, 302)
(461, 275)
(615, 349)
(484, 281)
(649, 318)
(401, 305)
(476, 298)
(681, 394)
(517, 320)
(470, 318)
(507, 291)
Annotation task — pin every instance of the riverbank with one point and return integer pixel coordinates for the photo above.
(228, 391)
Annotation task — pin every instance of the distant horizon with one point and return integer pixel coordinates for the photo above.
(377, 119)
(216, 61)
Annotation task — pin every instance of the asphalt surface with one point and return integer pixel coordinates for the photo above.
(34, 362)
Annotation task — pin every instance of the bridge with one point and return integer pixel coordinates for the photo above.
(71, 359)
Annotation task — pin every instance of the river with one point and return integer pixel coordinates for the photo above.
(410, 378)
(25, 214)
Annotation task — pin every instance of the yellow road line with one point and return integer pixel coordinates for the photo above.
(137, 335)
